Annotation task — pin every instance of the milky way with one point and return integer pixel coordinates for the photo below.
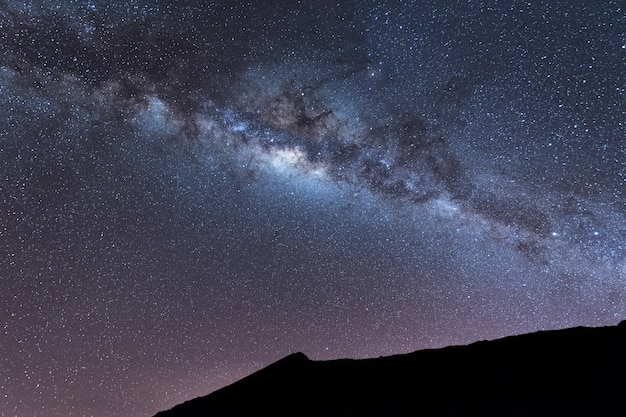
(193, 190)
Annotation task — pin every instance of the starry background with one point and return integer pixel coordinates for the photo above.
(190, 191)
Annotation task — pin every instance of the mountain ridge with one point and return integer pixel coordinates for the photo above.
(572, 371)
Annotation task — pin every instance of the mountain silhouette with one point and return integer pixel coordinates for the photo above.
(577, 371)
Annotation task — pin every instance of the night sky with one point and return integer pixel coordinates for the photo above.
(190, 191)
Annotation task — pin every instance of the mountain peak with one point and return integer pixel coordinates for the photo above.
(295, 357)
(558, 372)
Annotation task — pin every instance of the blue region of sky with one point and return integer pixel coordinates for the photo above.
(190, 191)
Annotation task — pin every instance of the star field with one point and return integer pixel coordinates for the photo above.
(190, 191)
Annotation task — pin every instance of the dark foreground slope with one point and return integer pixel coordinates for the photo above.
(579, 371)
